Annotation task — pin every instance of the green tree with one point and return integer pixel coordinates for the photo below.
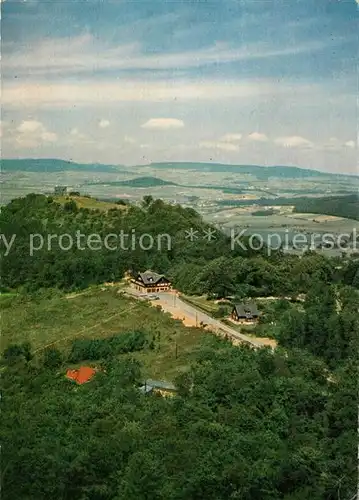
(52, 358)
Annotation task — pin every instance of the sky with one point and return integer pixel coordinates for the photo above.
(270, 82)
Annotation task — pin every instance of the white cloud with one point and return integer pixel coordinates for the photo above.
(74, 55)
(60, 95)
(56, 94)
(28, 126)
(224, 146)
(258, 137)
(228, 142)
(332, 144)
(78, 136)
(104, 123)
(32, 133)
(163, 123)
(294, 141)
(231, 138)
(49, 136)
(2, 127)
(335, 144)
(129, 140)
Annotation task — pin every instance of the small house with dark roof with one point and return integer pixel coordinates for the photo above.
(245, 312)
(150, 282)
(146, 389)
(158, 387)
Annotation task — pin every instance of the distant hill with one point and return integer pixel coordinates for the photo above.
(140, 182)
(258, 171)
(53, 165)
(149, 182)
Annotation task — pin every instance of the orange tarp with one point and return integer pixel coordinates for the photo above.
(82, 375)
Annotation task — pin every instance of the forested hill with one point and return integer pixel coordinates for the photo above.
(216, 265)
(340, 206)
(243, 423)
(258, 171)
(138, 182)
(53, 165)
(255, 426)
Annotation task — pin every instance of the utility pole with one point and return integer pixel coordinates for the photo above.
(176, 350)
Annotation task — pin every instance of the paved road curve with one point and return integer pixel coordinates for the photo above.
(171, 302)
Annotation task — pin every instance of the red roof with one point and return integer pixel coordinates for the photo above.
(82, 375)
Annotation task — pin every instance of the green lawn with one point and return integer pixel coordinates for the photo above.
(56, 321)
(209, 306)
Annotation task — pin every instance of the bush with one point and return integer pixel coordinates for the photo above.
(52, 358)
(70, 206)
(88, 349)
(16, 352)
(221, 312)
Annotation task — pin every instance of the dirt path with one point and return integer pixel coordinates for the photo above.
(191, 316)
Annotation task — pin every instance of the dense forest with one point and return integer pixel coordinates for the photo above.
(346, 206)
(340, 206)
(217, 267)
(244, 424)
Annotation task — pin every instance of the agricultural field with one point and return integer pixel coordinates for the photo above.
(199, 185)
(253, 198)
(283, 220)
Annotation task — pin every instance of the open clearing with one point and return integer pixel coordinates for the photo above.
(56, 321)
(90, 203)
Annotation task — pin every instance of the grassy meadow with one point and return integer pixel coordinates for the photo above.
(87, 202)
(97, 313)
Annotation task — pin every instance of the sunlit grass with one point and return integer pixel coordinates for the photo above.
(96, 314)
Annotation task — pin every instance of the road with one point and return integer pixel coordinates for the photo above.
(171, 303)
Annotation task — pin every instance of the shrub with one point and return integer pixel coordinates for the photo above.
(16, 352)
(52, 358)
(95, 349)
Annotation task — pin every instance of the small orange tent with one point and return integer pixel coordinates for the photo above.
(82, 375)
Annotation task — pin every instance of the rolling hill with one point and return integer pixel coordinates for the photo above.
(137, 182)
(260, 172)
(53, 165)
